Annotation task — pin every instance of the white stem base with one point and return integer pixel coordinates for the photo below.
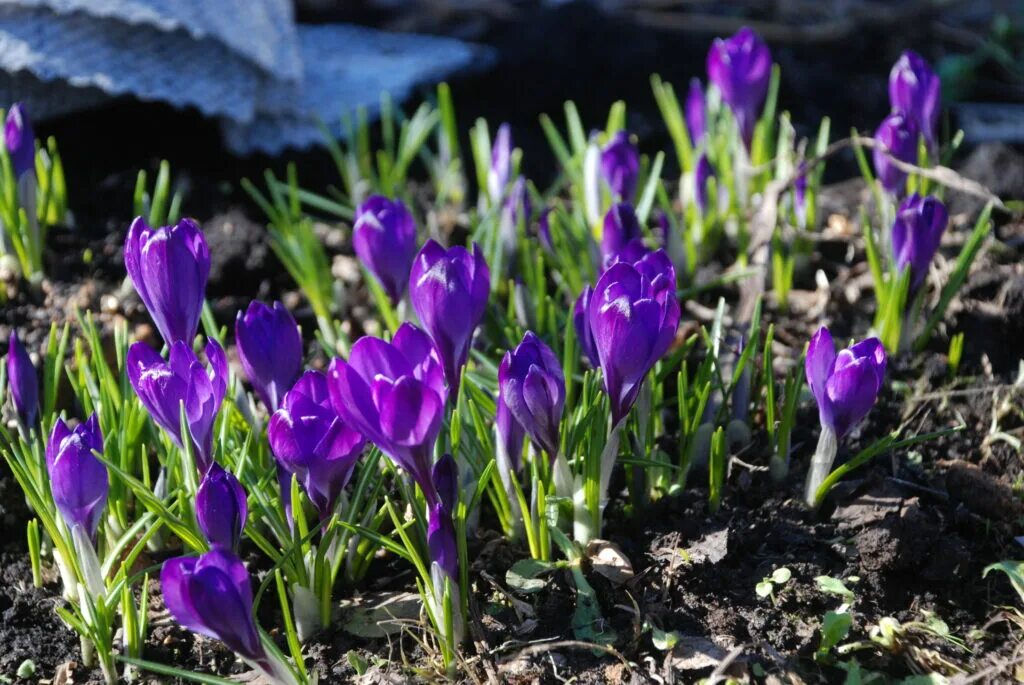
(821, 463)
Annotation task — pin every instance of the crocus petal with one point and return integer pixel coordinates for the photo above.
(221, 507)
(821, 356)
(270, 350)
(384, 239)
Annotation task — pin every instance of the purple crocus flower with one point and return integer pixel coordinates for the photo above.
(633, 316)
(384, 238)
(501, 163)
(394, 394)
(22, 380)
(309, 440)
(695, 112)
(701, 175)
(441, 542)
(800, 196)
(163, 386)
(78, 480)
(898, 134)
(510, 436)
(169, 267)
(845, 385)
(449, 290)
(581, 320)
(916, 234)
(20, 140)
(532, 385)
(741, 67)
(621, 227)
(916, 91)
(270, 349)
(221, 507)
(620, 166)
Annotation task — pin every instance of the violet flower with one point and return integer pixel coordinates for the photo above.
(449, 290)
(163, 386)
(221, 507)
(620, 166)
(501, 163)
(510, 436)
(741, 68)
(78, 480)
(532, 385)
(702, 173)
(800, 196)
(384, 238)
(394, 394)
(20, 140)
(270, 350)
(695, 113)
(22, 380)
(898, 134)
(621, 227)
(169, 267)
(581, 321)
(916, 235)
(916, 91)
(441, 542)
(309, 440)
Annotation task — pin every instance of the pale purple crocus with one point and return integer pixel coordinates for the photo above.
(800, 196)
(897, 135)
(22, 380)
(620, 166)
(695, 114)
(916, 234)
(449, 291)
(164, 386)
(916, 91)
(78, 480)
(581, 321)
(20, 140)
(532, 385)
(221, 507)
(384, 239)
(500, 170)
(741, 68)
(621, 227)
(310, 441)
(270, 350)
(169, 268)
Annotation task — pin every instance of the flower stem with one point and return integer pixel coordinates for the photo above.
(821, 463)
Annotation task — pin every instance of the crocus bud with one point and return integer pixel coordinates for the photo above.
(544, 229)
(916, 91)
(221, 507)
(510, 436)
(620, 166)
(20, 140)
(701, 175)
(78, 480)
(163, 386)
(449, 290)
(916, 235)
(309, 440)
(384, 238)
(169, 267)
(581, 321)
(532, 385)
(22, 380)
(518, 204)
(634, 321)
(501, 163)
(695, 112)
(897, 134)
(844, 385)
(394, 394)
(620, 228)
(741, 68)
(270, 349)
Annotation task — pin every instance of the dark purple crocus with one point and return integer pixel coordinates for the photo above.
(916, 91)
(221, 507)
(270, 349)
(384, 238)
(621, 227)
(633, 316)
(695, 112)
(620, 166)
(169, 267)
(845, 385)
(309, 440)
(449, 290)
(441, 542)
(501, 163)
(581, 321)
(741, 68)
(78, 480)
(510, 436)
(703, 173)
(163, 386)
(394, 394)
(22, 380)
(897, 134)
(916, 235)
(20, 140)
(532, 385)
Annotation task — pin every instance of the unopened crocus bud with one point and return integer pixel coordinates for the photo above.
(532, 384)
(221, 507)
(169, 268)
(20, 140)
(311, 442)
(620, 166)
(845, 385)
(916, 91)
(163, 386)
(581, 321)
(621, 227)
(703, 173)
(449, 290)
(897, 134)
(384, 238)
(22, 380)
(270, 350)
(695, 112)
(78, 480)
(741, 68)
(916, 235)
(501, 163)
